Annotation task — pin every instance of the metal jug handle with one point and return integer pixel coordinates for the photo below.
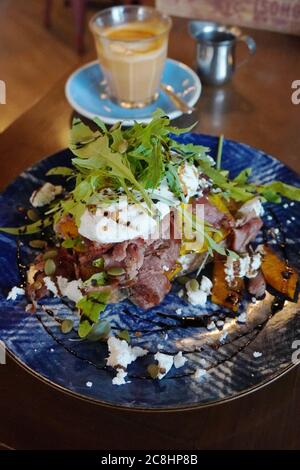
(251, 44)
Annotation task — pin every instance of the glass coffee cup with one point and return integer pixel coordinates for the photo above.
(131, 43)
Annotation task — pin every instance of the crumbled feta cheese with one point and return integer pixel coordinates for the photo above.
(223, 337)
(179, 360)
(216, 190)
(211, 160)
(229, 269)
(165, 268)
(51, 350)
(89, 384)
(199, 374)
(121, 354)
(165, 363)
(260, 249)
(178, 311)
(244, 266)
(269, 217)
(285, 205)
(257, 354)
(180, 293)
(211, 326)
(51, 285)
(203, 183)
(293, 218)
(45, 194)
(14, 292)
(70, 289)
(254, 205)
(119, 379)
(220, 323)
(189, 178)
(242, 318)
(254, 300)
(203, 362)
(292, 204)
(288, 221)
(199, 296)
(254, 265)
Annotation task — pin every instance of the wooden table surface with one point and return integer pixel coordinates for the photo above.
(255, 108)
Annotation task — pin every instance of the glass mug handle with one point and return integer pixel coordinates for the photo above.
(251, 44)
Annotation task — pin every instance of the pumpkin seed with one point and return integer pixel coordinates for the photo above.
(124, 334)
(50, 254)
(116, 271)
(98, 263)
(194, 285)
(66, 326)
(99, 332)
(37, 244)
(33, 215)
(49, 267)
(153, 370)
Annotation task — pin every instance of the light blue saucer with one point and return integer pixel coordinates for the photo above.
(86, 92)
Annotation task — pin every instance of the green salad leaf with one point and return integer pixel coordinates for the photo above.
(90, 306)
(273, 191)
(132, 162)
(29, 229)
(60, 171)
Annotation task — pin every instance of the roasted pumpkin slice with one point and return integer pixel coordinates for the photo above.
(223, 294)
(66, 227)
(278, 274)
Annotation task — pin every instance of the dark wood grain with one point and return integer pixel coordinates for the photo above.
(254, 108)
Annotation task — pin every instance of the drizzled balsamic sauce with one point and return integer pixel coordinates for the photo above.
(182, 322)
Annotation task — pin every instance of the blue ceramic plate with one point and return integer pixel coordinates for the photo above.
(232, 367)
(86, 93)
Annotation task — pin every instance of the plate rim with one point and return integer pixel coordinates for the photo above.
(129, 122)
(137, 408)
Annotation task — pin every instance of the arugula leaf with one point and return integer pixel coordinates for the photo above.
(76, 243)
(97, 154)
(173, 180)
(100, 124)
(243, 176)
(91, 305)
(60, 171)
(81, 134)
(28, 229)
(155, 170)
(191, 151)
(279, 188)
(98, 279)
(239, 194)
